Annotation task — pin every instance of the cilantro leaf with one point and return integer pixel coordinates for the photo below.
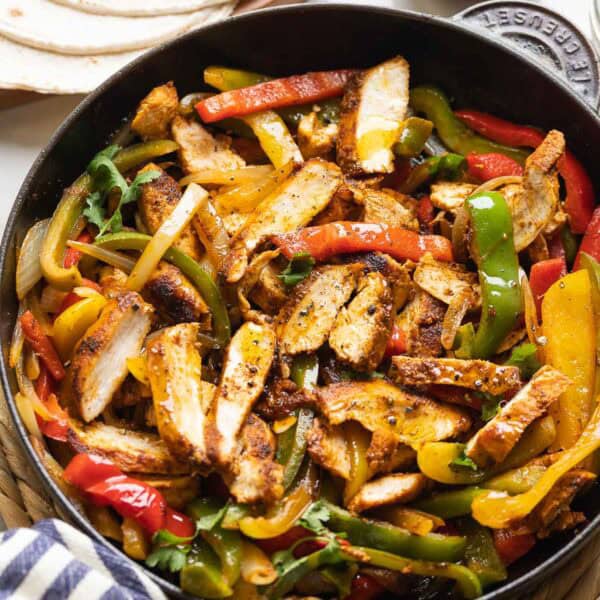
(464, 462)
(314, 518)
(210, 520)
(489, 407)
(524, 357)
(94, 209)
(298, 268)
(169, 558)
(165, 537)
(107, 179)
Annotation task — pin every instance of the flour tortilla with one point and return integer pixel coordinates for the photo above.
(137, 8)
(48, 26)
(25, 68)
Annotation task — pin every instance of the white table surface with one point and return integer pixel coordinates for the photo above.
(25, 130)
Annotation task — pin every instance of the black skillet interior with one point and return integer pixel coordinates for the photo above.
(474, 70)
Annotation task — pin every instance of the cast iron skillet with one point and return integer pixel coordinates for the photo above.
(474, 66)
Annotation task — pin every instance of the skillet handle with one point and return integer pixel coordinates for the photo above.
(545, 37)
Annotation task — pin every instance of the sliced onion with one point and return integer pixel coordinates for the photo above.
(256, 567)
(16, 343)
(51, 299)
(41, 315)
(497, 182)
(27, 415)
(232, 177)
(457, 309)
(139, 223)
(166, 235)
(212, 233)
(29, 271)
(26, 388)
(32, 365)
(110, 257)
(85, 292)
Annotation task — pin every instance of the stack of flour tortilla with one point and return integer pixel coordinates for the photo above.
(71, 46)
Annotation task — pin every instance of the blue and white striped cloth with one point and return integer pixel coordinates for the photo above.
(54, 561)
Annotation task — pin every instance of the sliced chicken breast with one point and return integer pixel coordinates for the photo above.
(398, 488)
(155, 113)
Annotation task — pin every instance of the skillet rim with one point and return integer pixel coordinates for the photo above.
(508, 591)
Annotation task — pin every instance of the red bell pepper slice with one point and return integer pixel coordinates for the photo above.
(425, 210)
(106, 485)
(40, 343)
(542, 275)
(346, 237)
(397, 342)
(511, 546)
(365, 587)
(132, 499)
(484, 167)
(58, 427)
(579, 204)
(277, 93)
(590, 244)
(73, 256)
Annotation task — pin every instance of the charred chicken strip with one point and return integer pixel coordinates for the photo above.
(496, 438)
(480, 375)
(361, 330)
(131, 451)
(181, 399)
(155, 112)
(399, 488)
(99, 364)
(247, 363)
(326, 445)
(378, 405)
(305, 321)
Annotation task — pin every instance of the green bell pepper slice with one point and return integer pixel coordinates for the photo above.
(433, 103)
(128, 240)
(447, 505)
(202, 576)
(387, 537)
(291, 444)
(493, 249)
(414, 133)
(71, 205)
(447, 166)
(467, 582)
(480, 554)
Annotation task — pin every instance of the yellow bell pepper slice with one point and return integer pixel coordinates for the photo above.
(73, 322)
(280, 518)
(138, 367)
(274, 137)
(570, 329)
(498, 510)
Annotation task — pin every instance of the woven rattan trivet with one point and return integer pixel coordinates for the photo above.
(23, 501)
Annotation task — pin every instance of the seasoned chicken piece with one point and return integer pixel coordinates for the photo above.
(256, 476)
(497, 437)
(450, 195)
(181, 399)
(247, 364)
(422, 319)
(282, 397)
(131, 451)
(99, 364)
(445, 281)
(362, 329)
(113, 281)
(157, 201)
(199, 150)
(269, 291)
(155, 113)
(480, 375)
(386, 453)
(307, 318)
(535, 205)
(374, 105)
(378, 405)
(341, 208)
(399, 488)
(292, 205)
(326, 445)
(388, 207)
(175, 297)
(315, 139)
